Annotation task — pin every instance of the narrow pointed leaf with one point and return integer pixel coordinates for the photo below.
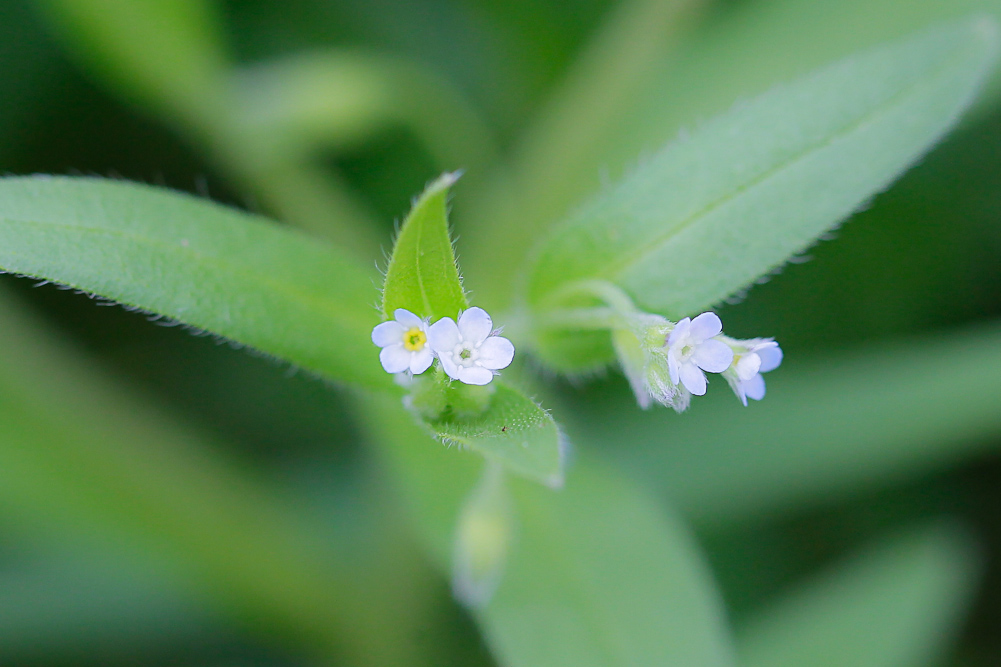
(714, 211)
(422, 275)
(513, 431)
(199, 263)
(896, 604)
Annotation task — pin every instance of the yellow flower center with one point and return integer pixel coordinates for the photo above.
(414, 340)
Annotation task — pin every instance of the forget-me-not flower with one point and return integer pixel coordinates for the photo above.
(751, 359)
(692, 349)
(470, 350)
(404, 343)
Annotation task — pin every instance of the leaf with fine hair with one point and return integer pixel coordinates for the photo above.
(422, 275)
(229, 273)
(513, 431)
(733, 201)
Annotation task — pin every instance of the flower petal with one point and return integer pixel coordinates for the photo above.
(475, 375)
(713, 356)
(448, 365)
(443, 336)
(679, 331)
(388, 333)
(475, 325)
(395, 358)
(706, 326)
(496, 353)
(693, 379)
(771, 357)
(421, 361)
(755, 387)
(747, 366)
(407, 319)
(672, 368)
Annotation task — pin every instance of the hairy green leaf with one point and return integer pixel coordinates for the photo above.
(716, 210)
(199, 263)
(513, 431)
(597, 574)
(896, 604)
(422, 275)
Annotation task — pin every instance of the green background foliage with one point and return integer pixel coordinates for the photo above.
(166, 499)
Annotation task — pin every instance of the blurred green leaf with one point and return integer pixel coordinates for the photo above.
(556, 153)
(600, 576)
(513, 431)
(603, 80)
(714, 211)
(339, 99)
(827, 429)
(742, 49)
(896, 605)
(61, 606)
(483, 537)
(202, 264)
(92, 463)
(171, 56)
(737, 50)
(597, 574)
(422, 275)
(169, 53)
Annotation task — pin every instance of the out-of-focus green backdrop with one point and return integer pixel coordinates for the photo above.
(921, 263)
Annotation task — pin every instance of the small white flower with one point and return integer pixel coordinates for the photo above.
(404, 343)
(470, 351)
(752, 358)
(692, 350)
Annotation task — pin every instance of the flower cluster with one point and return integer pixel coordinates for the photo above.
(469, 350)
(668, 362)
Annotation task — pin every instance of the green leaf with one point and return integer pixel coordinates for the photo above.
(597, 575)
(214, 268)
(899, 603)
(513, 430)
(422, 275)
(828, 428)
(714, 211)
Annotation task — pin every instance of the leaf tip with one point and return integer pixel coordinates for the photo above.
(445, 181)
